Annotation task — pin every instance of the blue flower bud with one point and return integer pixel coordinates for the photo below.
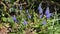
(24, 22)
(40, 9)
(48, 16)
(29, 16)
(27, 11)
(14, 18)
(47, 11)
(20, 7)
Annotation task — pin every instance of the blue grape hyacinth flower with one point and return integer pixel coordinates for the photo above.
(14, 18)
(29, 16)
(20, 7)
(48, 16)
(47, 13)
(40, 9)
(26, 10)
(25, 22)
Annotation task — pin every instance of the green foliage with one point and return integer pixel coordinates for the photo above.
(51, 27)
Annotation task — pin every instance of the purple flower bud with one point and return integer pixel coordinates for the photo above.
(14, 18)
(47, 11)
(44, 22)
(20, 7)
(48, 16)
(25, 22)
(40, 9)
(27, 11)
(29, 16)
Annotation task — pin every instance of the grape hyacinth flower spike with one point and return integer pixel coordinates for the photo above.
(29, 16)
(47, 13)
(14, 18)
(26, 10)
(48, 16)
(24, 22)
(40, 9)
(20, 7)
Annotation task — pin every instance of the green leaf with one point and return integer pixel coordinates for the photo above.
(10, 19)
(4, 19)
